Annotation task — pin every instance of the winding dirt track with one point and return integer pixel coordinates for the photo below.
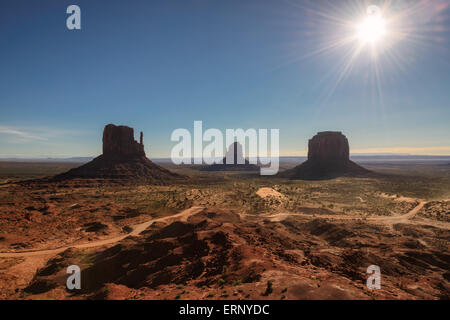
(391, 219)
(185, 214)
(137, 229)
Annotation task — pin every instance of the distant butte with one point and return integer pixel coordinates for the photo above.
(236, 161)
(328, 157)
(123, 159)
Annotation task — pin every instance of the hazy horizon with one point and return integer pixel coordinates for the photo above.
(352, 155)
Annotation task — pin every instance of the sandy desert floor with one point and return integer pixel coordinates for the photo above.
(226, 236)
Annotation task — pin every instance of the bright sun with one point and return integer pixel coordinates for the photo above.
(373, 28)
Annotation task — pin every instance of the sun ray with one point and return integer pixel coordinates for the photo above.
(388, 38)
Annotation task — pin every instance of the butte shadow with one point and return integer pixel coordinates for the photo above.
(123, 160)
(328, 158)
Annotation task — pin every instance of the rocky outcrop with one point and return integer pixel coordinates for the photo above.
(234, 160)
(328, 157)
(123, 160)
(235, 155)
(119, 141)
(329, 147)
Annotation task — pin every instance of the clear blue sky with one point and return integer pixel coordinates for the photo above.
(160, 65)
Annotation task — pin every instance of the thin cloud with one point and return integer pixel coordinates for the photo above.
(437, 150)
(27, 134)
(433, 151)
(20, 133)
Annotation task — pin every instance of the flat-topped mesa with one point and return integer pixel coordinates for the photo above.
(119, 141)
(329, 146)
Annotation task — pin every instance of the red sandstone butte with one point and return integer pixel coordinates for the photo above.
(328, 157)
(123, 159)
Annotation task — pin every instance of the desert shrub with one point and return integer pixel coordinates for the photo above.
(237, 282)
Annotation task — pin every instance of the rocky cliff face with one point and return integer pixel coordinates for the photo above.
(329, 146)
(119, 141)
(328, 157)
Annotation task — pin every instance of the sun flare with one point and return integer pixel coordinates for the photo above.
(372, 29)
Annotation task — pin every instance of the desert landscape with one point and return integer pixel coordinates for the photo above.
(225, 159)
(186, 233)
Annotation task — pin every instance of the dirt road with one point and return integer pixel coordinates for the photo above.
(390, 220)
(137, 229)
(185, 214)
